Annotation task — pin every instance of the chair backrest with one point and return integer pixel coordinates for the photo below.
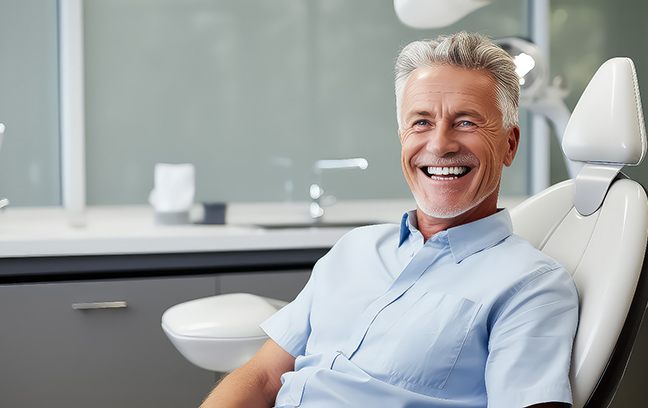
(596, 226)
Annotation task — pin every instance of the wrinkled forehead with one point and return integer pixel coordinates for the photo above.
(447, 84)
(450, 79)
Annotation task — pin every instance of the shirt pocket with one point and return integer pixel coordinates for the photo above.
(426, 342)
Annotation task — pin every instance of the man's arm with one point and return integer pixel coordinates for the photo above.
(256, 383)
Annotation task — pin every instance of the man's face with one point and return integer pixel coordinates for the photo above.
(453, 142)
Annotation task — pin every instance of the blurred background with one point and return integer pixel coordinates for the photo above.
(252, 92)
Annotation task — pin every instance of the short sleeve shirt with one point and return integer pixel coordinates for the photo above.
(474, 317)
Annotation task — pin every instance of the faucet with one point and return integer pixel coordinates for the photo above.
(316, 208)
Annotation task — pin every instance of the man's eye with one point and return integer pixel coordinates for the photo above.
(465, 124)
(422, 122)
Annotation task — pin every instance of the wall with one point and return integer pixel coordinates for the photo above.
(584, 34)
(253, 92)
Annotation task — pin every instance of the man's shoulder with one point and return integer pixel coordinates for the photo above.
(369, 234)
(362, 243)
(514, 262)
(520, 251)
(531, 264)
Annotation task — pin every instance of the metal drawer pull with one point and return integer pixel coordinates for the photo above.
(121, 304)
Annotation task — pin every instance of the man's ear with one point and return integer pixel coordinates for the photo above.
(513, 141)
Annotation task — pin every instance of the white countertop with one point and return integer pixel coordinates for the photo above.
(132, 229)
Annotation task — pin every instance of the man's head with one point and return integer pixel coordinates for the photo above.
(457, 107)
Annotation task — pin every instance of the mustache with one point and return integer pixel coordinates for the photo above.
(454, 160)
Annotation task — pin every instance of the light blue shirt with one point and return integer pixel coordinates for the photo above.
(473, 317)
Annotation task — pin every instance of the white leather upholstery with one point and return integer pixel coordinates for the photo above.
(607, 124)
(604, 253)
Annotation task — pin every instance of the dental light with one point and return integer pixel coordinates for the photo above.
(435, 13)
(536, 94)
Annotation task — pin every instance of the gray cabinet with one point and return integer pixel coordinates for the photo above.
(53, 355)
(99, 343)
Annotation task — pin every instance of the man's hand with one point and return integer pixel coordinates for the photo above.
(256, 383)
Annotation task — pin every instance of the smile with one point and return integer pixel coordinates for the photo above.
(445, 173)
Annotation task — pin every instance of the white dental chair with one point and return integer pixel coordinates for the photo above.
(596, 226)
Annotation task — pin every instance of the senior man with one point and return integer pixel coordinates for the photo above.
(447, 309)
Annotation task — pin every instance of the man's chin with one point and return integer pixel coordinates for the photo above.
(445, 210)
(442, 214)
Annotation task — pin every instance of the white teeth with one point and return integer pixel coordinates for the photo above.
(444, 171)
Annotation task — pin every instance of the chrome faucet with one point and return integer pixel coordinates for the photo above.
(316, 208)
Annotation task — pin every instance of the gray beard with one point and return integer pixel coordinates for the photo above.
(447, 212)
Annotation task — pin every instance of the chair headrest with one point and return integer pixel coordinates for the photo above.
(607, 125)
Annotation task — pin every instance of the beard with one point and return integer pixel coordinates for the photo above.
(450, 211)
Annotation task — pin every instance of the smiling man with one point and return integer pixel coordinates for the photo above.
(447, 309)
(455, 142)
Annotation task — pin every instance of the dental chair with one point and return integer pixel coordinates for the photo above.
(595, 225)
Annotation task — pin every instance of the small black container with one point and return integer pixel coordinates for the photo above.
(214, 213)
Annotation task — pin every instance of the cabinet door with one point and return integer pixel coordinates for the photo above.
(284, 285)
(53, 355)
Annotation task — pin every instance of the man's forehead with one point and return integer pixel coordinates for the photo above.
(460, 87)
(442, 90)
(447, 78)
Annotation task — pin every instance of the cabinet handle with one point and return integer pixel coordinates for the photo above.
(121, 304)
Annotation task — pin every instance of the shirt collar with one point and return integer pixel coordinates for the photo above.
(467, 239)
(408, 226)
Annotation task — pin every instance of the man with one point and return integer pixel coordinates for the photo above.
(449, 309)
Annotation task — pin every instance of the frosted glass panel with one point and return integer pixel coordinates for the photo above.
(584, 34)
(29, 157)
(252, 92)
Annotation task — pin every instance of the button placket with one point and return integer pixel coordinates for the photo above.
(425, 258)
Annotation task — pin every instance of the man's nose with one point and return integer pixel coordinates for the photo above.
(442, 142)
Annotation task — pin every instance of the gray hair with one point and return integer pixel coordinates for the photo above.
(468, 51)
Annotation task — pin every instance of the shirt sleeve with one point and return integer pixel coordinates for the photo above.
(290, 326)
(530, 343)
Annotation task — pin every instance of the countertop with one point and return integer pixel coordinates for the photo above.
(124, 230)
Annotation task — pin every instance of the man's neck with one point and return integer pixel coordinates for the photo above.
(428, 225)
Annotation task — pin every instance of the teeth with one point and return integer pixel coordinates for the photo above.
(444, 171)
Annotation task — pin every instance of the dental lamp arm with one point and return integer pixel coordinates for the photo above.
(256, 383)
(553, 107)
